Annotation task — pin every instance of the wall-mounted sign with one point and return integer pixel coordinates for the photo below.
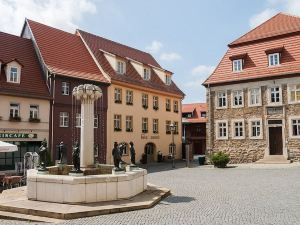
(274, 110)
(17, 135)
(143, 136)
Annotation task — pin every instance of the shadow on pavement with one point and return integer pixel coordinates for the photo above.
(178, 199)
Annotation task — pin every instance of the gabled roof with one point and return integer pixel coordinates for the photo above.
(196, 108)
(280, 24)
(100, 45)
(21, 50)
(64, 53)
(256, 62)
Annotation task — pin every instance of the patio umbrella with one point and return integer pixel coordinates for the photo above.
(7, 147)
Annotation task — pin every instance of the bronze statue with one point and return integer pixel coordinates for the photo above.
(76, 158)
(132, 153)
(42, 154)
(61, 149)
(117, 156)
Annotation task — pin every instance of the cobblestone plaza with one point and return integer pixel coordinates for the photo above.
(256, 194)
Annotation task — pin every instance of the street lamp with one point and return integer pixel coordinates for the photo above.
(172, 128)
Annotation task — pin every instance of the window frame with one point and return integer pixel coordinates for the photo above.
(129, 121)
(233, 128)
(96, 120)
(290, 88)
(129, 97)
(239, 65)
(78, 119)
(250, 127)
(272, 55)
(168, 79)
(217, 100)
(175, 106)
(16, 73)
(118, 95)
(120, 62)
(155, 102)
(145, 100)
(15, 108)
(65, 89)
(117, 119)
(259, 97)
(217, 127)
(155, 126)
(32, 111)
(62, 119)
(168, 129)
(233, 98)
(270, 93)
(168, 103)
(146, 73)
(145, 124)
(291, 135)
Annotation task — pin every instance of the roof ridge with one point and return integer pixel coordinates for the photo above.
(127, 46)
(14, 36)
(289, 14)
(232, 43)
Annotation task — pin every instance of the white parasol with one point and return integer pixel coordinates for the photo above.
(7, 147)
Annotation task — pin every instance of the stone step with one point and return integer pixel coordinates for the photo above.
(23, 217)
(273, 159)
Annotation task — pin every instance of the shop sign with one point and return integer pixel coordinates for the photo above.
(17, 135)
(274, 110)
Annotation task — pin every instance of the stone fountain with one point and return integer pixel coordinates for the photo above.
(84, 187)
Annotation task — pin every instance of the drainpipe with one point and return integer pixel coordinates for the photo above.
(209, 127)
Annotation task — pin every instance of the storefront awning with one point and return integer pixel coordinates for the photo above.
(7, 147)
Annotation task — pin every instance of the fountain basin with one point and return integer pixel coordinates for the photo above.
(85, 189)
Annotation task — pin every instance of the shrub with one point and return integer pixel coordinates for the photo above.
(220, 159)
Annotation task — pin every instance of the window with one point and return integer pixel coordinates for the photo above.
(118, 95)
(96, 120)
(124, 149)
(65, 88)
(275, 95)
(34, 112)
(117, 123)
(203, 114)
(168, 104)
(175, 106)
(168, 129)
(221, 99)
(129, 126)
(273, 59)
(13, 76)
(255, 128)
(168, 80)
(296, 127)
(14, 110)
(222, 129)
(238, 129)
(145, 125)
(78, 120)
(155, 102)
(120, 67)
(146, 74)
(237, 65)
(64, 119)
(129, 97)
(237, 100)
(176, 127)
(254, 97)
(96, 150)
(155, 126)
(145, 101)
(294, 93)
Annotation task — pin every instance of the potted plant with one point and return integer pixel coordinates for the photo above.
(34, 120)
(220, 159)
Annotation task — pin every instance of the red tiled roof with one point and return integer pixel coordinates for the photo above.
(280, 24)
(21, 50)
(196, 108)
(64, 53)
(256, 62)
(95, 43)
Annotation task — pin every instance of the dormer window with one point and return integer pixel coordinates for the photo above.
(120, 67)
(13, 76)
(146, 74)
(168, 80)
(274, 59)
(237, 65)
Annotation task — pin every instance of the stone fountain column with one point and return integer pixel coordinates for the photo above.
(87, 94)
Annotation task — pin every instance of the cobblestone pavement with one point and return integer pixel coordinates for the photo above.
(205, 195)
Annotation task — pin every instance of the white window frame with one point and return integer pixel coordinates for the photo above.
(233, 94)
(65, 88)
(269, 95)
(146, 73)
(78, 120)
(168, 128)
(118, 95)
(145, 124)
(145, 98)
(168, 80)
(168, 104)
(233, 128)
(129, 96)
(15, 108)
(250, 128)
(155, 101)
(120, 67)
(290, 88)
(271, 59)
(129, 123)
(175, 106)
(259, 97)
(118, 121)
(34, 111)
(217, 126)
(63, 119)
(237, 65)
(217, 100)
(291, 118)
(16, 74)
(155, 126)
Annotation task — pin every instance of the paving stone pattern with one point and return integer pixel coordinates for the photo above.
(205, 195)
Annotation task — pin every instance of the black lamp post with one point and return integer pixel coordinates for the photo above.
(172, 128)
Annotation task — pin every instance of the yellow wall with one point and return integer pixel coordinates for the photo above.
(137, 111)
(41, 129)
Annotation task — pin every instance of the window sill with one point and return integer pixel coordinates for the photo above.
(257, 138)
(225, 107)
(155, 108)
(129, 103)
(237, 106)
(34, 120)
(118, 102)
(222, 138)
(15, 119)
(238, 138)
(117, 129)
(144, 131)
(145, 107)
(64, 126)
(254, 105)
(168, 110)
(129, 130)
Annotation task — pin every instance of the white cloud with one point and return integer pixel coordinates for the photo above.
(199, 75)
(63, 14)
(155, 47)
(172, 56)
(203, 70)
(261, 17)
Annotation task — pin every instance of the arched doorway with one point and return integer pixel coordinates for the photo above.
(150, 151)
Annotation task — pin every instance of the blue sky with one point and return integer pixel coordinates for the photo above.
(187, 37)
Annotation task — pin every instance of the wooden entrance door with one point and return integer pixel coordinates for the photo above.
(275, 140)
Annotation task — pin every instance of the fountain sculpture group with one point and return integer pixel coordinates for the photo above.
(77, 186)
